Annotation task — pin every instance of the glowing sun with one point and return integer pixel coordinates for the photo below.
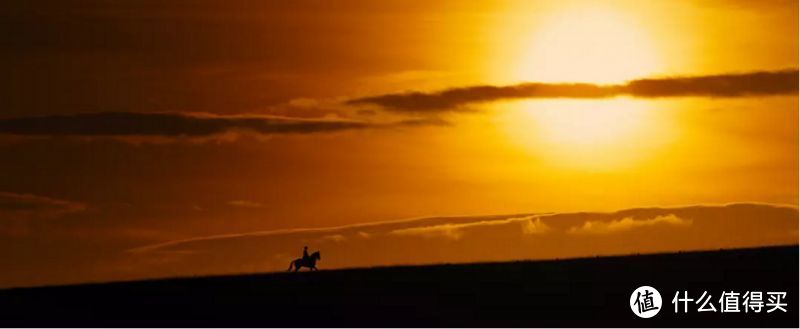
(586, 44)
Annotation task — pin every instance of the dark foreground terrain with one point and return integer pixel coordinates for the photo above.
(577, 292)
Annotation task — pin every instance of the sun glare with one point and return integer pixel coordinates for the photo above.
(590, 134)
(599, 44)
(576, 123)
(585, 44)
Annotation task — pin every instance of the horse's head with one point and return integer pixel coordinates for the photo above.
(316, 255)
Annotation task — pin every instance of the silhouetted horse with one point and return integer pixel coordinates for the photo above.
(311, 262)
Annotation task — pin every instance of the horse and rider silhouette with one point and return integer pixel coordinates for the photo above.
(309, 261)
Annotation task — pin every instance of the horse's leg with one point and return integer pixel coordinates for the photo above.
(291, 264)
(297, 267)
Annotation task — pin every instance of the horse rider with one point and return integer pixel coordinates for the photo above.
(305, 253)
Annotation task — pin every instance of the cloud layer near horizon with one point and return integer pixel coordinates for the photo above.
(783, 82)
(482, 238)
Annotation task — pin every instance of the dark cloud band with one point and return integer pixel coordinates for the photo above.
(177, 124)
(728, 85)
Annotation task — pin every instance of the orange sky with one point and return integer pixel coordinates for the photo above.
(128, 125)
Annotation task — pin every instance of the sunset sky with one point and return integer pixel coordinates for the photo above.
(157, 138)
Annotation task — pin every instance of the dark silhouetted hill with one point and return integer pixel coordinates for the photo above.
(575, 292)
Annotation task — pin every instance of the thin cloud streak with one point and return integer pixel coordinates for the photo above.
(784, 82)
(16, 205)
(245, 204)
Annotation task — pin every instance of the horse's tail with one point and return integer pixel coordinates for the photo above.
(291, 264)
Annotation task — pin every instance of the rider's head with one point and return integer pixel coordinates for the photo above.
(305, 247)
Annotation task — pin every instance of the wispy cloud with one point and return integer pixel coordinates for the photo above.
(27, 206)
(245, 204)
(528, 225)
(626, 224)
(783, 82)
(335, 238)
